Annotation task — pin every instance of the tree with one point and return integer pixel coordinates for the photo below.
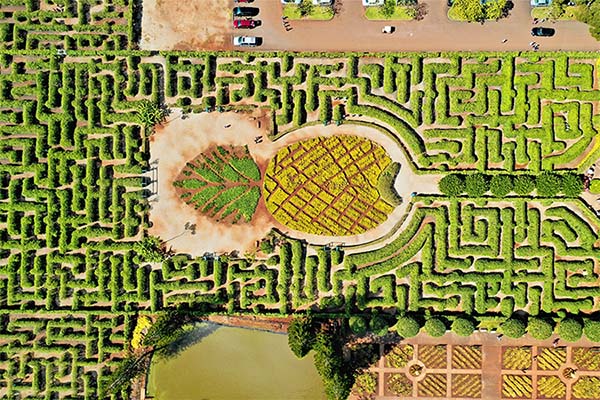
(476, 185)
(572, 185)
(388, 8)
(463, 326)
(548, 184)
(591, 328)
(588, 12)
(495, 9)
(523, 184)
(539, 328)
(301, 335)
(452, 185)
(379, 325)
(150, 113)
(501, 185)
(407, 327)
(357, 324)
(570, 329)
(150, 249)
(513, 328)
(435, 327)
(266, 246)
(468, 10)
(306, 7)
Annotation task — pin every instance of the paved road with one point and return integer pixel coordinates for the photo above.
(349, 31)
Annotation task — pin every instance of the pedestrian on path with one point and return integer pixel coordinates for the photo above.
(504, 40)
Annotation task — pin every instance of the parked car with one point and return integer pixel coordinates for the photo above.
(245, 11)
(243, 1)
(540, 31)
(248, 41)
(245, 23)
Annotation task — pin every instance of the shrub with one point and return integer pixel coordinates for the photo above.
(435, 327)
(572, 185)
(595, 186)
(267, 247)
(570, 329)
(463, 326)
(591, 328)
(476, 185)
(539, 328)
(378, 325)
(513, 328)
(301, 335)
(523, 184)
(150, 249)
(358, 324)
(548, 184)
(501, 185)
(407, 327)
(452, 185)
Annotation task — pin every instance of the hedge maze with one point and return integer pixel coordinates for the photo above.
(73, 199)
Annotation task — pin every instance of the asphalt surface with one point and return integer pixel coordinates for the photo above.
(349, 30)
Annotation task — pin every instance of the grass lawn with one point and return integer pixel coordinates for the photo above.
(544, 12)
(400, 14)
(319, 13)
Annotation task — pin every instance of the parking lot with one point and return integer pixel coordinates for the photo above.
(209, 26)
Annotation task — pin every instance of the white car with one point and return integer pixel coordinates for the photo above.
(245, 41)
(368, 3)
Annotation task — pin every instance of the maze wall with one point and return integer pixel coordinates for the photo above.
(73, 202)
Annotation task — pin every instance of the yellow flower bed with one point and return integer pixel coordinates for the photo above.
(516, 386)
(587, 358)
(551, 387)
(587, 387)
(551, 359)
(328, 185)
(517, 358)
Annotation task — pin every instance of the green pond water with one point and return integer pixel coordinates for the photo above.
(233, 363)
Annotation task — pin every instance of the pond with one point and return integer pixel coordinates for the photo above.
(234, 363)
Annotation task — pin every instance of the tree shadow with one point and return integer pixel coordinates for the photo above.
(187, 339)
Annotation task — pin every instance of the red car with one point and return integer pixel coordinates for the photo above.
(245, 24)
(243, 1)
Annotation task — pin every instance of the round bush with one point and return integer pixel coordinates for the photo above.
(572, 185)
(523, 184)
(452, 185)
(463, 327)
(540, 328)
(379, 325)
(357, 324)
(591, 328)
(407, 327)
(501, 185)
(513, 328)
(476, 185)
(548, 184)
(570, 329)
(435, 327)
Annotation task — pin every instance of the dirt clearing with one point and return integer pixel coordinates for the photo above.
(185, 25)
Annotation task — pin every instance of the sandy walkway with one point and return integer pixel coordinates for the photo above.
(180, 140)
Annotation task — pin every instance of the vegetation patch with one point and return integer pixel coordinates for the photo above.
(222, 183)
(328, 185)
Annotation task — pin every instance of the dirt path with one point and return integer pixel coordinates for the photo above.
(183, 25)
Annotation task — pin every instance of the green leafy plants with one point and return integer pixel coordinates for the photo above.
(150, 249)
(476, 185)
(150, 113)
(570, 329)
(548, 184)
(539, 328)
(513, 328)
(463, 326)
(591, 329)
(435, 327)
(223, 183)
(452, 185)
(501, 185)
(407, 327)
(358, 324)
(301, 335)
(572, 185)
(523, 184)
